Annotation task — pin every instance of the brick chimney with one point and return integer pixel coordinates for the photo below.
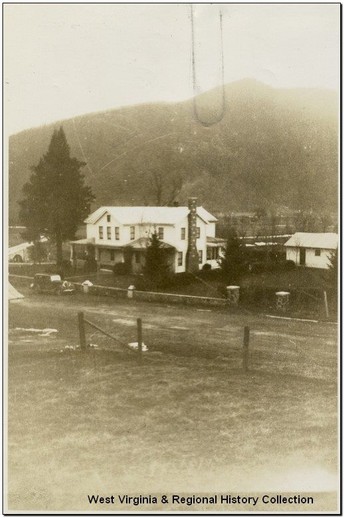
(192, 264)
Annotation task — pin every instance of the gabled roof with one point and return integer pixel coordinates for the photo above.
(204, 214)
(148, 215)
(19, 248)
(328, 240)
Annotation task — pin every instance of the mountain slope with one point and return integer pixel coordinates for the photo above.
(272, 147)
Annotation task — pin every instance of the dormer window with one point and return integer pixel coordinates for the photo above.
(108, 218)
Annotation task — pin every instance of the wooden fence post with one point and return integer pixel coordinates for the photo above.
(139, 339)
(326, 304)
(82, 334)
(245, 349)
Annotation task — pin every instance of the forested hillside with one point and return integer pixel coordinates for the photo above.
(272, 148)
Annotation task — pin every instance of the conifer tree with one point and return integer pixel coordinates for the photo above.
(56, 199)
(232, 262)
(156, 268)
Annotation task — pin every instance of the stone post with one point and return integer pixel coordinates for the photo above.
(233, 294)
(282, 301)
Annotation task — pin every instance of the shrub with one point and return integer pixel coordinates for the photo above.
(287, 265)
(120, 269)
(90, 265)
(263, 266)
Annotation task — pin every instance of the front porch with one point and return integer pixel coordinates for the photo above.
(215, 247)
(85, 254)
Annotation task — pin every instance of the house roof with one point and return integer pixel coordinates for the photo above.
(148, 215)
(327, 240)
(19, 248)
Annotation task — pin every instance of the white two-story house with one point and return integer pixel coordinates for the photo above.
(122, 235)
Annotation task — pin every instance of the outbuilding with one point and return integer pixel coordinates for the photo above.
(312, 250)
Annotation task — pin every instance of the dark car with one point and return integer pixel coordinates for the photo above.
(51, 283)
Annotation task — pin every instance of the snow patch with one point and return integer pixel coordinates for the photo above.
(43, 332)
(135, 346)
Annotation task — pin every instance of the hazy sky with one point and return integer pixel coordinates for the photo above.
(69, 59)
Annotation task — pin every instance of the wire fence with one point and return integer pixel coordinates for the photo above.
(227, 347)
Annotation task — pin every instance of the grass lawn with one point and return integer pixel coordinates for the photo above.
(187, 420)
(293, 279)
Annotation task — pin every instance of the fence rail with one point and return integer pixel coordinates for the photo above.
(82, 334)
(83, 341)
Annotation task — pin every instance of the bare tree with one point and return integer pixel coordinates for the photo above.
(165, 189)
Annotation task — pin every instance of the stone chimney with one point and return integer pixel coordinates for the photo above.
(192, 264)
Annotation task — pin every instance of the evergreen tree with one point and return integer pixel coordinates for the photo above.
(56, 199)
(232, 263)
(156, 268)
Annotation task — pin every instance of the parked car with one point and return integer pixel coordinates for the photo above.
(51, 283)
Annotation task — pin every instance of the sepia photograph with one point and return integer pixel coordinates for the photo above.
(171, 258)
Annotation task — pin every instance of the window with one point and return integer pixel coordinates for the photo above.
(212, 253)
(198, 233)
(101, 233)
(117, 233)
(108, 218)
(180, 258)
(200, 256)
(317, 252)
(132, 232)
(112, 255)
(161, 233)
(108, 232)
(182, 233)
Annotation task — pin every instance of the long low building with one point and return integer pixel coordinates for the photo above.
(312, 250)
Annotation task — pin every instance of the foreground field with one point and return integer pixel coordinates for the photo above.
(187, 420)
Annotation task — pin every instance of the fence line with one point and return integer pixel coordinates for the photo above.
(82, 334)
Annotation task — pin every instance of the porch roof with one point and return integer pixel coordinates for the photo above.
(89, 241)
(142, 243)
(214, 242)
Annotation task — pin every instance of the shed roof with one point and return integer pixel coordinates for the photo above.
(327, 240)
(148, 215)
